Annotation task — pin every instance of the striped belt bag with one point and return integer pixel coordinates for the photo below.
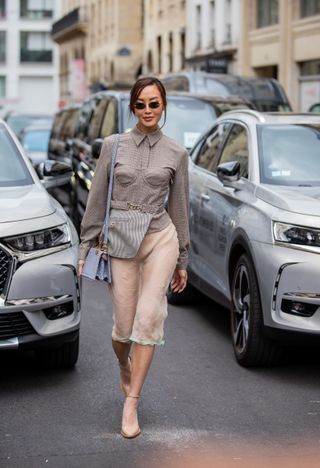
(129, 224)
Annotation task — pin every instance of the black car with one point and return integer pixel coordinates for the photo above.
(266, 94)
(61, 137)
(107, 112)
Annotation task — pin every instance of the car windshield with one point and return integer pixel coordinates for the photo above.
(14, 171)
(289, 154)
(186, 119)
(36, 140)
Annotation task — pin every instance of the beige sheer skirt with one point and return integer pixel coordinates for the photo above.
(139, 288)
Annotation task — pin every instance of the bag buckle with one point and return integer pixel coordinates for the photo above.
(134, 206)
(102, 246)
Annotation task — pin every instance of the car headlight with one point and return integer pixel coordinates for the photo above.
(298, 235)
(40, 240)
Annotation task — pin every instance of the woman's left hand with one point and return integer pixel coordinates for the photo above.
(179, 280)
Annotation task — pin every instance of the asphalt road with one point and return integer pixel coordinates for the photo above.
(197, 403)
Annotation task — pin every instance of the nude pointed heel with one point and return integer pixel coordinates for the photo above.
(125, 434)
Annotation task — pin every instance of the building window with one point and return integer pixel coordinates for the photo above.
(212, 23)
(159, 47)
(2, 46)
(170, 52)
(35, 47)
(309, 7)
(309, 68)
(2, 86)
(182, 49)
(198, 27)
(267, 13)
(2, 9)
(36, 9)
(227, 36)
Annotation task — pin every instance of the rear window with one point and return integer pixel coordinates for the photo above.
(186, 119)
(14, 172)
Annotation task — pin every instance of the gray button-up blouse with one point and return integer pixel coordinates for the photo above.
(148, 168)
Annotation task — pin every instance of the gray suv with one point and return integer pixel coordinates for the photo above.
(39, 290)
(255, 228)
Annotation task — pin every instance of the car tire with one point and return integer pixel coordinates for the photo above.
(185, 297)
(62, 357)
(250, 346)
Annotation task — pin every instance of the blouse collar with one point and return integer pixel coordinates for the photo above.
(138, 136)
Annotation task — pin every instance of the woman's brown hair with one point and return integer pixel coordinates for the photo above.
(142, 83)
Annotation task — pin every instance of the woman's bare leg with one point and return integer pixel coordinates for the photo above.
(142, 356)
(122, 351)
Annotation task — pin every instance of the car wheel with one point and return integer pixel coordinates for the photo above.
(185, 297)
(64, 356)
(250, 346)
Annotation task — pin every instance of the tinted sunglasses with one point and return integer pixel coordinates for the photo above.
(151, 105)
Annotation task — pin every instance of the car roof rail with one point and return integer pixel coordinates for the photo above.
(253, 113)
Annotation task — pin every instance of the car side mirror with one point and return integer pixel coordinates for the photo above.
(54, 173)
(229, 173)
(96, 148)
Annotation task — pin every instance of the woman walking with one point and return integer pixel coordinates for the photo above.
(149, 166)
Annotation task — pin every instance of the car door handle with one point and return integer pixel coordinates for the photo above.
(205, 197)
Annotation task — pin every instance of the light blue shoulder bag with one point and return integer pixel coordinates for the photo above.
(97, 262)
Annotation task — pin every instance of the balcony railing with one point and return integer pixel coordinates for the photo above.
(36, 14)
(44, 56)
(73, 23)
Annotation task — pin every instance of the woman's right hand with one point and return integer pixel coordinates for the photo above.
(80, 267)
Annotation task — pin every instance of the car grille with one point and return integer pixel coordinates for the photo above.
(14, 324)
(5, 264)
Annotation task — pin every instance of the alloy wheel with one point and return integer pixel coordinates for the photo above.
(241, 309)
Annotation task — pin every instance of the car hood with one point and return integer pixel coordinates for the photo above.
(302, 200)
(23, 203)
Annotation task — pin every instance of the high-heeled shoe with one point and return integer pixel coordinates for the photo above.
(125, 373)
(132, 435)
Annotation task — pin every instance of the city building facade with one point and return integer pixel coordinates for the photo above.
(70, 33)
(28, 57)
(213, 32)
(164, 36)
(100, 45)
(280, 39)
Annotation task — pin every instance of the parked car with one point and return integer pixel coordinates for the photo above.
(266, 94)
(60, 141)
(315, 107)
(62, 132)
(18, 122)
(255, 228)
(35, 140)
(39, 290)
(107, 112)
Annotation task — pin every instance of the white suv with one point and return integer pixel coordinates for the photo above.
(39, 290)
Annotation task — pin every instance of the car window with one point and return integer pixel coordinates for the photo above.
(96, 120)
(209, 152)
(56, 127)
(236, 148)
(289, 154)
(84, 119)
(315, 108)
(36, 140)
(110, 121)
(69, 123)
(14, 171)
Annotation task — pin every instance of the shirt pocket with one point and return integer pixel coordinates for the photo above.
(125, 175)
(159, 177)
